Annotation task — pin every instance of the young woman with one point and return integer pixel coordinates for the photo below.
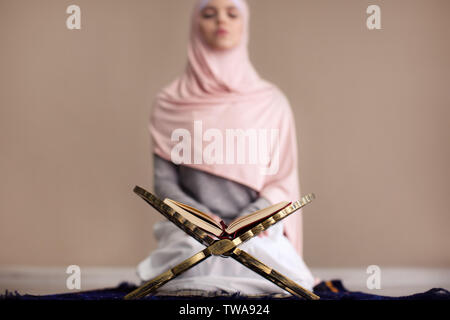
(220, 91)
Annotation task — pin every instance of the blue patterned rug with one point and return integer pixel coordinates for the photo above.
(327, 290)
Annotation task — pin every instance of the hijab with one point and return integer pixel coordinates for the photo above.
(220, 94)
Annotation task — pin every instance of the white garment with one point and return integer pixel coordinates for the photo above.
(218, 273)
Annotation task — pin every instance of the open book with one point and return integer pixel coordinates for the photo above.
(221, 230)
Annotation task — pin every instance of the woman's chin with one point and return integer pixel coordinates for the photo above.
(222, 46)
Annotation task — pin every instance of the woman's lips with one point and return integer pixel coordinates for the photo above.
(221, 32)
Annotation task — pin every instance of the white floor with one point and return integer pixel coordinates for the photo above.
(45, 280)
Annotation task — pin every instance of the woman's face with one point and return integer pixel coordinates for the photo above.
(221, 24)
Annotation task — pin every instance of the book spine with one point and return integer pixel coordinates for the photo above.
(224, 234)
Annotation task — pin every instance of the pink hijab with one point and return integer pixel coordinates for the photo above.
(222, 91)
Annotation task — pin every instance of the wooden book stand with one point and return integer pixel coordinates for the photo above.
(225, 248)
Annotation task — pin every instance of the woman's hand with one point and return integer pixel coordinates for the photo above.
(263, 234)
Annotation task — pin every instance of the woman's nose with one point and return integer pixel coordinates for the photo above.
(222, 17)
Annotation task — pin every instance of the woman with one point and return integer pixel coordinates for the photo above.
(218, 92)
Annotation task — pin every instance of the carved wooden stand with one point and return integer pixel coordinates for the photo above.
(225, 248)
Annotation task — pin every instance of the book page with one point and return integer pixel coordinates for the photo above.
(255, 216)
(197, 212)
(212, 227)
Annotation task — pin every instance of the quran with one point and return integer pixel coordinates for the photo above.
(239, 225)
(224, 247)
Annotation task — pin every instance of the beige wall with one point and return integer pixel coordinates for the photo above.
(372, 112)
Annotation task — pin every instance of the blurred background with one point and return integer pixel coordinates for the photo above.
(372, 111)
